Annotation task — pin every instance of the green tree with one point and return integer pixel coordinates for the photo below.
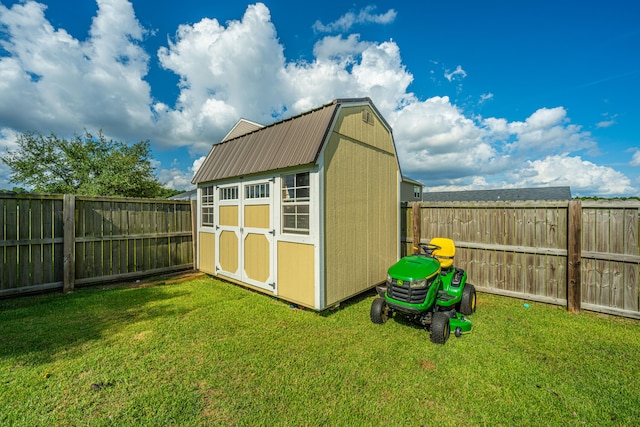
(83, 165)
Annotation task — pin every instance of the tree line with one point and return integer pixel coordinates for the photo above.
(86, 164)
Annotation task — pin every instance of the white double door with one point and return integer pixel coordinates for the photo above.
(245, 232)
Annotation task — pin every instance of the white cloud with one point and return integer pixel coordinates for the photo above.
(8, 142)
(349, 19)
(635, 159)
(218, 85)
(457, 74)
(485, 97)
(178, 179)
(610, 120)
(68, 84)
(581, 175)
(549, 130)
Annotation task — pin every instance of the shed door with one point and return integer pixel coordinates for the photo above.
(257, 234)
(245, 233)
(228, 231)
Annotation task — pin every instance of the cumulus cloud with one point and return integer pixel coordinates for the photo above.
(101, 82)
(67, 84)
(217, 85)
(8, 142)
(583, 176)
(349, 19)
(176, 178)
(549, 130)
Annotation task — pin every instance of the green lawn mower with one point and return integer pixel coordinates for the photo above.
(428, 290)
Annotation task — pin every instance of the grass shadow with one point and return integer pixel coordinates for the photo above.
(35, 328)
(354, 300)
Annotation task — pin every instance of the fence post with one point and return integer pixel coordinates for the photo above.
(69, 231)
(416, 225)
(574, 256)
(194, 232)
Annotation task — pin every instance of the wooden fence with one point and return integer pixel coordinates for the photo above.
(55, 241)
(581, 254)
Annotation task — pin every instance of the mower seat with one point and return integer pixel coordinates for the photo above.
(446, 252)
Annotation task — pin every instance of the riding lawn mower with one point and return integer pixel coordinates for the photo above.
(428, 290)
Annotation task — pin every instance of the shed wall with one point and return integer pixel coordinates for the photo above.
(296, 273)
(361, 205)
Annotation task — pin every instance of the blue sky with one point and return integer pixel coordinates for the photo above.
(480, 95)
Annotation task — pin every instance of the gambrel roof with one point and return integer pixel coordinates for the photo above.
(292, 142)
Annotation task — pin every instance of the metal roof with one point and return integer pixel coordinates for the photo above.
(292, 142)
(505, 195)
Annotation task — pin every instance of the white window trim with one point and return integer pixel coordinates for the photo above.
(210, 205)
(314, 210)
(305, 202)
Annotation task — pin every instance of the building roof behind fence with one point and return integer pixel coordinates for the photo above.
(507, 195)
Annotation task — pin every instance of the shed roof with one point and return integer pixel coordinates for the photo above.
(292, 142)
(511, 194)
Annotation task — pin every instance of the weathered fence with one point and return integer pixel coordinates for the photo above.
(55, 241)
(580, 254)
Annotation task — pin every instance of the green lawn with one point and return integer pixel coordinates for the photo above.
(203, 352)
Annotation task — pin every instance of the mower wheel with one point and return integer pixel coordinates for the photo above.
(440, 328)
(379, 311)
(468, 301)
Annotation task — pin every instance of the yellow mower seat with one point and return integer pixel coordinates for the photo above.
(446, 252)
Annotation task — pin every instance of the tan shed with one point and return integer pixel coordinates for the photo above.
(306, 209)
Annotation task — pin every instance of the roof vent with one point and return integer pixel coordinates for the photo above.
(367, 117)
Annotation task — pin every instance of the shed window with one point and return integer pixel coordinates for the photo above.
(207, 206)
(295, 203)
(256, 191)
(229, 193)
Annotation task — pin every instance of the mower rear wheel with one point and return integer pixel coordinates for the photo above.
(440, 328)
(468, 301)
(379, 311)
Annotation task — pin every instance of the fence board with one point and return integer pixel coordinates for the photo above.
(36, 235)
(3, 225)
(11, 252)
(24, 279)
(632, 290)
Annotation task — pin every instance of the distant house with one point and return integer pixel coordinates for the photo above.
(305, 209)
(410, 190)
(506, 195)
(187, 195)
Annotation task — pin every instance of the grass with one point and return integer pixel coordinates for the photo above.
(204, 352)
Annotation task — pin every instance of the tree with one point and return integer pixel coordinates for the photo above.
(83, 165)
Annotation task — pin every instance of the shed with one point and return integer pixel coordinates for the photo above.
(305, 209)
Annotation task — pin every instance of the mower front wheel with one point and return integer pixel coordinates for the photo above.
(379, 311)
(440, 328)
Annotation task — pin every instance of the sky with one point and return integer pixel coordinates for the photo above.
(480, 95)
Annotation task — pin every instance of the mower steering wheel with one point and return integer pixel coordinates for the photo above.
(429, 248)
